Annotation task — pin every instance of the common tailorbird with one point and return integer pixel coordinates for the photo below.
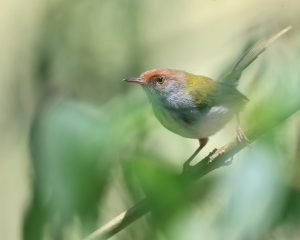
(195, 106)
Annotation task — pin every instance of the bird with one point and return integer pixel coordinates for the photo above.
(196, 106)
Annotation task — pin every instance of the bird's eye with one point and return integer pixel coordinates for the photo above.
(160, 80)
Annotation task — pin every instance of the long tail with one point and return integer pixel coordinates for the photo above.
(249, 56)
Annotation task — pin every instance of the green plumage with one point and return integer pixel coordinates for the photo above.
(207, 92)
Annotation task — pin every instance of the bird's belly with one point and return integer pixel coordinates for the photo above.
(194, 123)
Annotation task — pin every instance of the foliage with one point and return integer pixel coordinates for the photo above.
(93, 145)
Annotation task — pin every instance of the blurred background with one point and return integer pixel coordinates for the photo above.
(78, 146)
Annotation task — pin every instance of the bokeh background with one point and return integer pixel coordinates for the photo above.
(78, 146)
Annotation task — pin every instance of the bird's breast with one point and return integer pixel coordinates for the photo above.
(193, 122)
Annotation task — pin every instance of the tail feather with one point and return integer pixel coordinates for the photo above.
(249, 56)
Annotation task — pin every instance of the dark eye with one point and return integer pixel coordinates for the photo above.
(160, 79)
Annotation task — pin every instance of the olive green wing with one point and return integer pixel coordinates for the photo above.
(208, 93)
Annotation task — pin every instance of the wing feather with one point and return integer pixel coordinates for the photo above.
(208, 93)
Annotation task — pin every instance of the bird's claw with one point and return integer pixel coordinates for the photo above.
(241, 136)
(229, 161)
(186, 166)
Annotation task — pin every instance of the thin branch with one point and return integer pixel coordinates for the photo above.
(216, 159)
(121, 221)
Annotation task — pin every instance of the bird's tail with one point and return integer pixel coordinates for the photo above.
(249, 56)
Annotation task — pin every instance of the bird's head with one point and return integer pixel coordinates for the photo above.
(163, 85)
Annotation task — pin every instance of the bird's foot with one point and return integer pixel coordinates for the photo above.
(216, 152)
(241, 136)
(187, 165)
(229, 161)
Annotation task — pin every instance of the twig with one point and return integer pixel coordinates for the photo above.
(121, 221)
(216, 159)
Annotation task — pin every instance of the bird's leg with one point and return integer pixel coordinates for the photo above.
(240, 134)
(202, 143)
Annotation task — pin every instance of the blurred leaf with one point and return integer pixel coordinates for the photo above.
(71, 164)
(257, 195)
(166, 192)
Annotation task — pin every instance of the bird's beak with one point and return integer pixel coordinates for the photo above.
(134, 80)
